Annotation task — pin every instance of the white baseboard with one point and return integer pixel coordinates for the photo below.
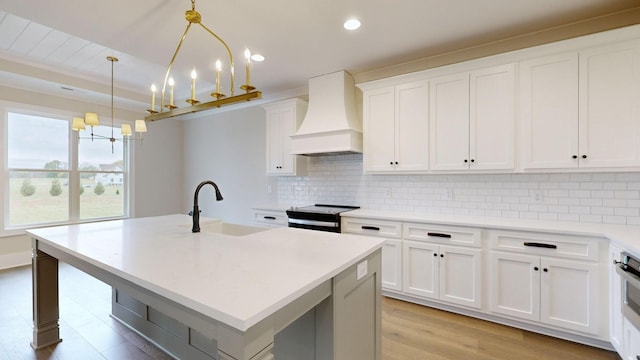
(15, 259)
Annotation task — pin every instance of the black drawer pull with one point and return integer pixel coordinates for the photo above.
(448, 236)
(541, 245)
(367, 227)
(269, 217)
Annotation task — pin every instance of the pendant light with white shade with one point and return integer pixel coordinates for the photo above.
(91, 119)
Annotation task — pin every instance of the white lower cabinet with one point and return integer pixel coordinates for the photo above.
(447, 273)
(269, 218)
(551, 282)
(631, 341)
(391, 250)
(392, 265)
(616, 325)
(554, 291)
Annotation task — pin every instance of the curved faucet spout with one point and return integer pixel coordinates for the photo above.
(196, 211)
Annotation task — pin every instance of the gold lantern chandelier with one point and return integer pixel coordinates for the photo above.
(167, 110)
(91, 119)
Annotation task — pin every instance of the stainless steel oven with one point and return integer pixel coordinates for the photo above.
(320, 217)
(629, 270)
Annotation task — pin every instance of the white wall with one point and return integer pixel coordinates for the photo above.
(229, 149)
(158, 170)
(611, 198)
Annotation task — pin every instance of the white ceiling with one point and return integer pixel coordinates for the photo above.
(47, 45)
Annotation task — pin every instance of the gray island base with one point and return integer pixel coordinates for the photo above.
(337, 318)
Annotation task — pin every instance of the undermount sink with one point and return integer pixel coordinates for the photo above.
(220, 227)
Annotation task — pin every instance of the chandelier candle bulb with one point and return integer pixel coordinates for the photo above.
(193, 83)
(218, 69)
(172, 83)
(153, 99)
(247, 55)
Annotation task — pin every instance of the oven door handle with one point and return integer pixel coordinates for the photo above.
(314, 223)
(629, 276)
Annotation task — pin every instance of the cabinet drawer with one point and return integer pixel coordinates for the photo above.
(452, 235)
(381, 228)
(565, 246)
(273, 218)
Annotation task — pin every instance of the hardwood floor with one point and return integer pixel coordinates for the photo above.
(410, 332)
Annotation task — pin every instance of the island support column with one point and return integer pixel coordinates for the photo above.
(46, 330)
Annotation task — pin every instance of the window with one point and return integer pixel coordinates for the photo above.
(54, 177)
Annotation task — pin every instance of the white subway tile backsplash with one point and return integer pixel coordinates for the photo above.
(611, 198)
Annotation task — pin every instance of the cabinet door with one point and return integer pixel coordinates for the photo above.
(569, 295)
(274, 141)
(392, 265)
(460, 277)
(420, 269)
(449, 122)
(492, 118)
(515, 285)
(609, 106)
(616, 333)
(287, 128)
(549, 111)
(631, 341)
(379, 130)
(412, 127)
(281, 123)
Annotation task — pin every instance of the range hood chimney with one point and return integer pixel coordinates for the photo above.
(331, 125)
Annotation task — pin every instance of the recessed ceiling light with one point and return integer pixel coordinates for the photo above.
(257, 57)
(352, 24)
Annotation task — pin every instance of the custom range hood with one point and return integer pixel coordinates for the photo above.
(331, 125)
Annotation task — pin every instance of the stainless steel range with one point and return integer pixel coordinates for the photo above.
(320, 217)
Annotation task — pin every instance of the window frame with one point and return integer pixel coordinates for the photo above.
(73, 172)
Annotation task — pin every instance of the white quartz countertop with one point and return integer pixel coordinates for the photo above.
(237, 280)
(626, 236)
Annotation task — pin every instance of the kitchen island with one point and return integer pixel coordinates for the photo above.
(282, 292)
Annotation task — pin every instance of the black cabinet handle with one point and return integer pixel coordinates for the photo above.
(367, 227)
(269, 217)
(396, 163)
(541, 245)
(441, 255)
(584, 156)
(574, 156)
(545, 270)
(465, 160)
(473, 160)
(434, 254)
(390, 162)
(448, 236)
(535, 268)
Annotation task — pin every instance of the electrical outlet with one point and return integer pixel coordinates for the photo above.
(536, 196)
(361, 270)
(448, 194)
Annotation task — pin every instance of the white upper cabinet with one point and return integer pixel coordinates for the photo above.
(472, 117)
(581, 109)
(610, 106)
(283, 119)
(396, 129)
(549, 111)
(449, 122)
